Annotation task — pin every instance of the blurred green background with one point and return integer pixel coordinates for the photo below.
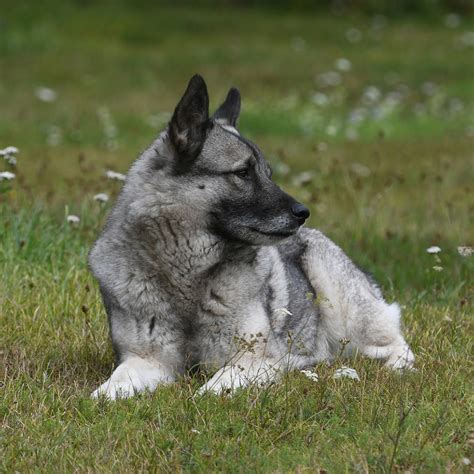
(347, 74)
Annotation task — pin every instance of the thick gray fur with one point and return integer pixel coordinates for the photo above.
(203, 260)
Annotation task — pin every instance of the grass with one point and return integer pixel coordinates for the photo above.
(402, 183)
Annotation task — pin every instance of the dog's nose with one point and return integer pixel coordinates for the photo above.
(300, 211)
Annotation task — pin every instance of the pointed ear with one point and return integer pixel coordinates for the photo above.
(187, 128)
(228, 112)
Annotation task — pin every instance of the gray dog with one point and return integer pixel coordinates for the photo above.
(204, 261)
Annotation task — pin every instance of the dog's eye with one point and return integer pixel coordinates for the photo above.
(244, 173)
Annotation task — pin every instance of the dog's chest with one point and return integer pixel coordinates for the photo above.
(230, 286)
(183, 256)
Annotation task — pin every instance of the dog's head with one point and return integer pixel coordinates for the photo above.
(219, 174)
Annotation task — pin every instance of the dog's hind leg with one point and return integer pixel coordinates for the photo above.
(352, 306)
(379, 336)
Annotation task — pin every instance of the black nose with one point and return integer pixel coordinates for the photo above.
(300, 211)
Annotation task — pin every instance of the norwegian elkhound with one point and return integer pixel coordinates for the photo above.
(204, 260)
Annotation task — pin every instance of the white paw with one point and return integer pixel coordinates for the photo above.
(224, 381)
(401, 359)
(230, 378)
(213, 389)
(133, 376)
(113, 390)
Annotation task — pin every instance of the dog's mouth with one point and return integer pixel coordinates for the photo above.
(276, 234)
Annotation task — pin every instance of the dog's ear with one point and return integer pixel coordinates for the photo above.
(228, 112)
(188, 126)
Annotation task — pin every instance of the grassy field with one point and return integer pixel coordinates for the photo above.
(367, 120)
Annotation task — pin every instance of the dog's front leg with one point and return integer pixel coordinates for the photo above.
(147, 343)
(132, 376)
(243, 370)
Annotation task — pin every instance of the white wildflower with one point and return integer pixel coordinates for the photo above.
(353, 35)
(343, 64)
(45, 94)
(394, 98)
(387, 106)
(465, 251)
(158, 120)
(9, 150)
(429, 88)
(72, 219)
(6, 175)
(101, 197)
(298, 43)
(8, 154)
(303, 179)
(331, 130)
(467, 39)
(372, 94)
(352, 134)
(311, 375)
(195, 431)
(452, 20)
(109, 128)
(54, 135)
(346, 372)
(360, 170)
(322, 146)
(357, 115)
(433, 249)
(438, 268)
(404, 89)
(114, 175)
(330, 78)
(10, 159)
(281, 168)
(455, 105)
(466, 461)
(320, 99)
(379, 22)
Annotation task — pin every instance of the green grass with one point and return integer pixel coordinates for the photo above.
(403, 184)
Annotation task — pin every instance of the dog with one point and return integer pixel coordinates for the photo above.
(204, 261)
